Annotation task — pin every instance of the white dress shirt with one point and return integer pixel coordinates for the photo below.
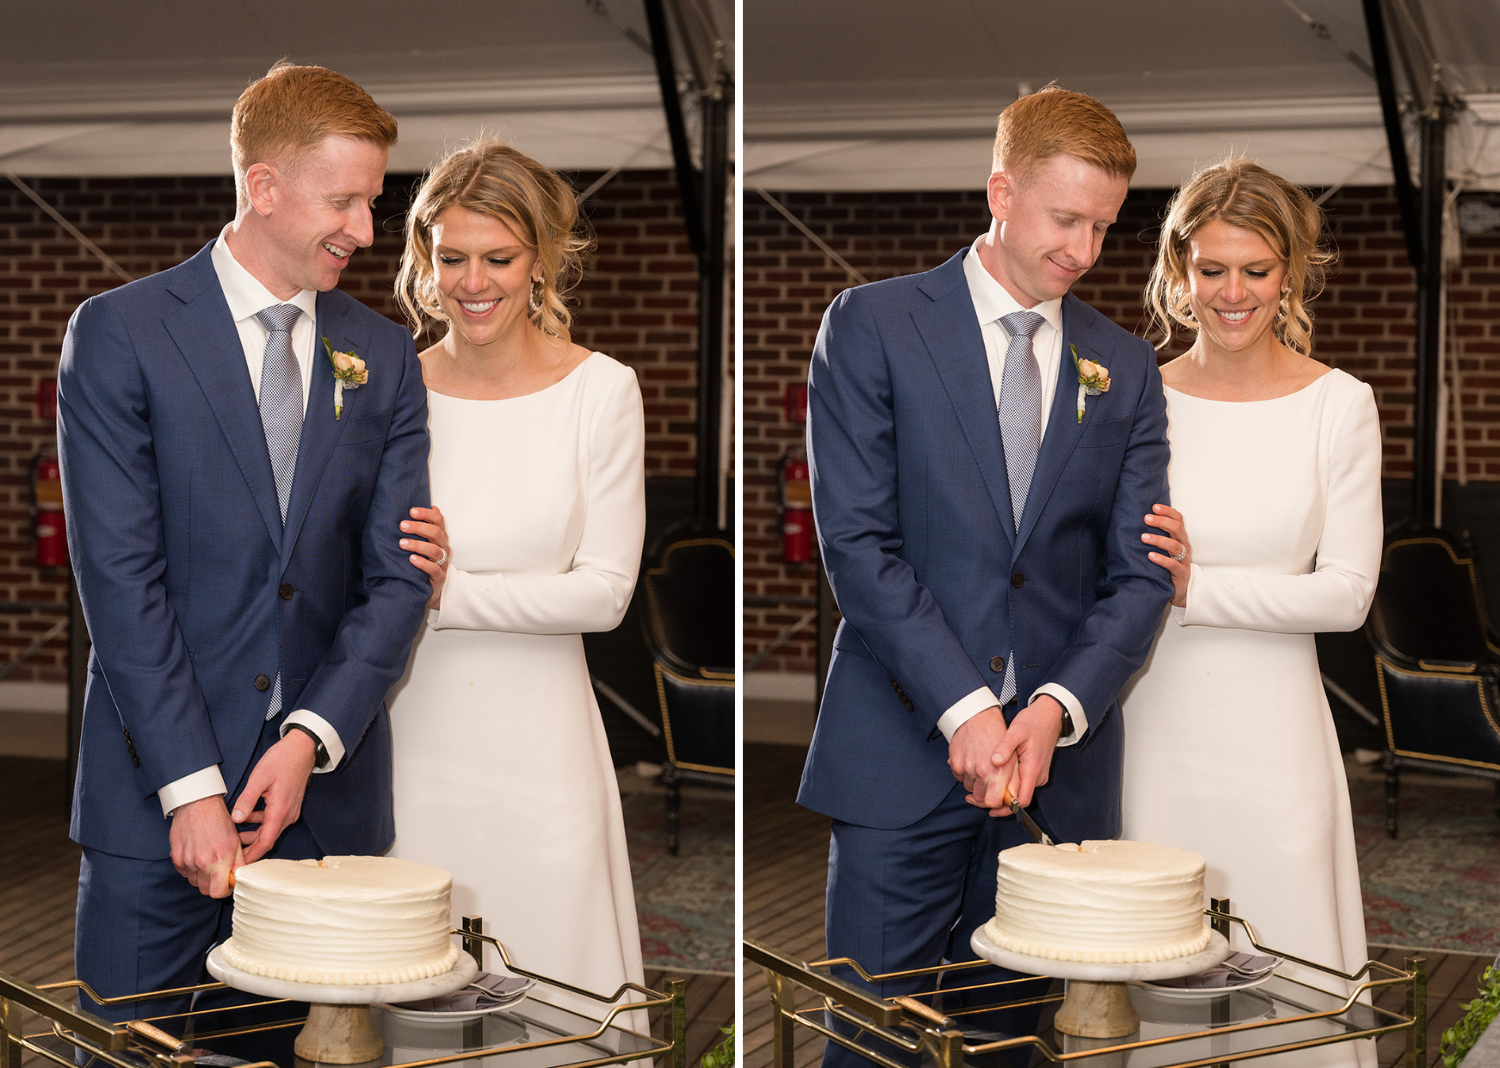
(991, 302)
(246, 296)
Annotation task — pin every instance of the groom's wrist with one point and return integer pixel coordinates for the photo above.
(1075, 723)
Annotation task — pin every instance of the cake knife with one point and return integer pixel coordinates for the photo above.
(1037, 834)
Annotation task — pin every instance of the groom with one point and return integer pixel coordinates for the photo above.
(980, 517)
(235, 544)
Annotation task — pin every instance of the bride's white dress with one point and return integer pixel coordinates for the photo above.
(502, 773)
(1230, 749)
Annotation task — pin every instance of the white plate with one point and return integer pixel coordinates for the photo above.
(429, 1016)
(1195, 993)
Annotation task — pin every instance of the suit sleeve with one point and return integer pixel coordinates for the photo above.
(370, 648)
(1336, 595)
(851, 433)
(1115, 636)
(595, 592)
(111, 492)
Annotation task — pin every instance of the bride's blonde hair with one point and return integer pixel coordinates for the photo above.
(1244, 194)
(534, 202)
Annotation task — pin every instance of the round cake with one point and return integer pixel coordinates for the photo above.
(341, 921)
(1101, 902)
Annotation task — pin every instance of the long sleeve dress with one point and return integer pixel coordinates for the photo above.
(502, 771)
(1230, 749)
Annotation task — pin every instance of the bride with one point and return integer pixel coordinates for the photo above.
(502, 773)
(1230, 747)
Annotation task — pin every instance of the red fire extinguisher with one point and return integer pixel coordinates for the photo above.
(795, 500)
(48, 529)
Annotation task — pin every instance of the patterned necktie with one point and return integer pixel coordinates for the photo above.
(281, 407)
(1020, 432)
(1020, 407)
(281, 415)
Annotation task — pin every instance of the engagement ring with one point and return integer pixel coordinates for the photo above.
(1178, 556)
(442, 560)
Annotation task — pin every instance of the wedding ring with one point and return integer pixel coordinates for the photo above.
(443, 560)
(1180, 556)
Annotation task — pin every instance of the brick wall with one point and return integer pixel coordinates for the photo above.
(638, 303)
(1365, 325)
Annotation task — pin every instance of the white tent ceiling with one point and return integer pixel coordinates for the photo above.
(900, 94)
(100, 87)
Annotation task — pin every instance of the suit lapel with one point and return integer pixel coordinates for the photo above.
(320, 431)
(1063, 426)
(949, 328)
(206, 337)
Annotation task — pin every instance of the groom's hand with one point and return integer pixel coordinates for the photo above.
(1029, 742)
(969, 752)
(205, 846)
(281, 778)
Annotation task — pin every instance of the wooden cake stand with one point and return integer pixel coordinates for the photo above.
(339, 1028)
(1097, 1004)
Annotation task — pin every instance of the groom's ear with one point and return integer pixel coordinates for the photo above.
(260, 187)
(998, 193)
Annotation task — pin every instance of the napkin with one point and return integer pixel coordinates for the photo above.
(1236, 970)
(487, 991)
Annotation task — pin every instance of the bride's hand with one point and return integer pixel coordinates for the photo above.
(431, 555)
(1173, 551)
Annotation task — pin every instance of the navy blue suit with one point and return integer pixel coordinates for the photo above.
(193, 591)
(937, 588)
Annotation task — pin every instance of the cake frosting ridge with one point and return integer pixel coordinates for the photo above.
(1108, 902)
(341, 921)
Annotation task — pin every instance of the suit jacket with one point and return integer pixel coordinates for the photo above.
(936, 586)
(193, 591)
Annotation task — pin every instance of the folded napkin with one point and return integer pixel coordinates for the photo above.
(1237, 969)
(487, 991)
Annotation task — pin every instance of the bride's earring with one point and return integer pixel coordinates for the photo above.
(534, 302)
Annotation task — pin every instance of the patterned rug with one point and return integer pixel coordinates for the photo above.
(1438, 885)
(685, 903)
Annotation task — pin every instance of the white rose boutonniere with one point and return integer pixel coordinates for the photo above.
(348, 373)
(1093, 379)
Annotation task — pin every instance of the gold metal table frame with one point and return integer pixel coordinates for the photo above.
(918, 1029)
(144, 1044)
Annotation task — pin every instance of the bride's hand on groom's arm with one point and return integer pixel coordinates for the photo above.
(1173, 551)
(430, 555)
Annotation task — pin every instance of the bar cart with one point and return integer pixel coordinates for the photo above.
(1281, 1015)
(533, 1032)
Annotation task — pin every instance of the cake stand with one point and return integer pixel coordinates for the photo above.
(1097, 1004)
(339, 1028)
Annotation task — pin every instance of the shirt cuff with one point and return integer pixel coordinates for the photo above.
(965, 709)
(1064, 697)
(195, 787)
(325, 732)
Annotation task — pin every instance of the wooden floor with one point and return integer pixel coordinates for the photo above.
(39, 889)
(786, 864)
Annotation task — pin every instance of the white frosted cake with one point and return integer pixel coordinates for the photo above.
(341, 921)
(1102, 902)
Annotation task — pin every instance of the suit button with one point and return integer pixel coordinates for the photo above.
(262, 683)
(1018, 580)
(285, 589)
(997, 663)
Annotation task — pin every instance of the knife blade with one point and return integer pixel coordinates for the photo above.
(1036, 832)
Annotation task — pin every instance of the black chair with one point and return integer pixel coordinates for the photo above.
(1436, 660)
(689, 624)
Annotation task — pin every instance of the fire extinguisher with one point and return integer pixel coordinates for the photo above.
(48, 529)
(795, 500)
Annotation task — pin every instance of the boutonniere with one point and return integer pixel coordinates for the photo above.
(348, 373)
(1093, 379)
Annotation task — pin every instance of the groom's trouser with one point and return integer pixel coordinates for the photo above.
(911, 898)
(141, 926)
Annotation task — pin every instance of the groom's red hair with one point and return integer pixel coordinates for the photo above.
(293, 108)
(1059, 122)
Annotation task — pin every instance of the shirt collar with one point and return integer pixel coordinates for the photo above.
(992, 300)
(244, 292)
